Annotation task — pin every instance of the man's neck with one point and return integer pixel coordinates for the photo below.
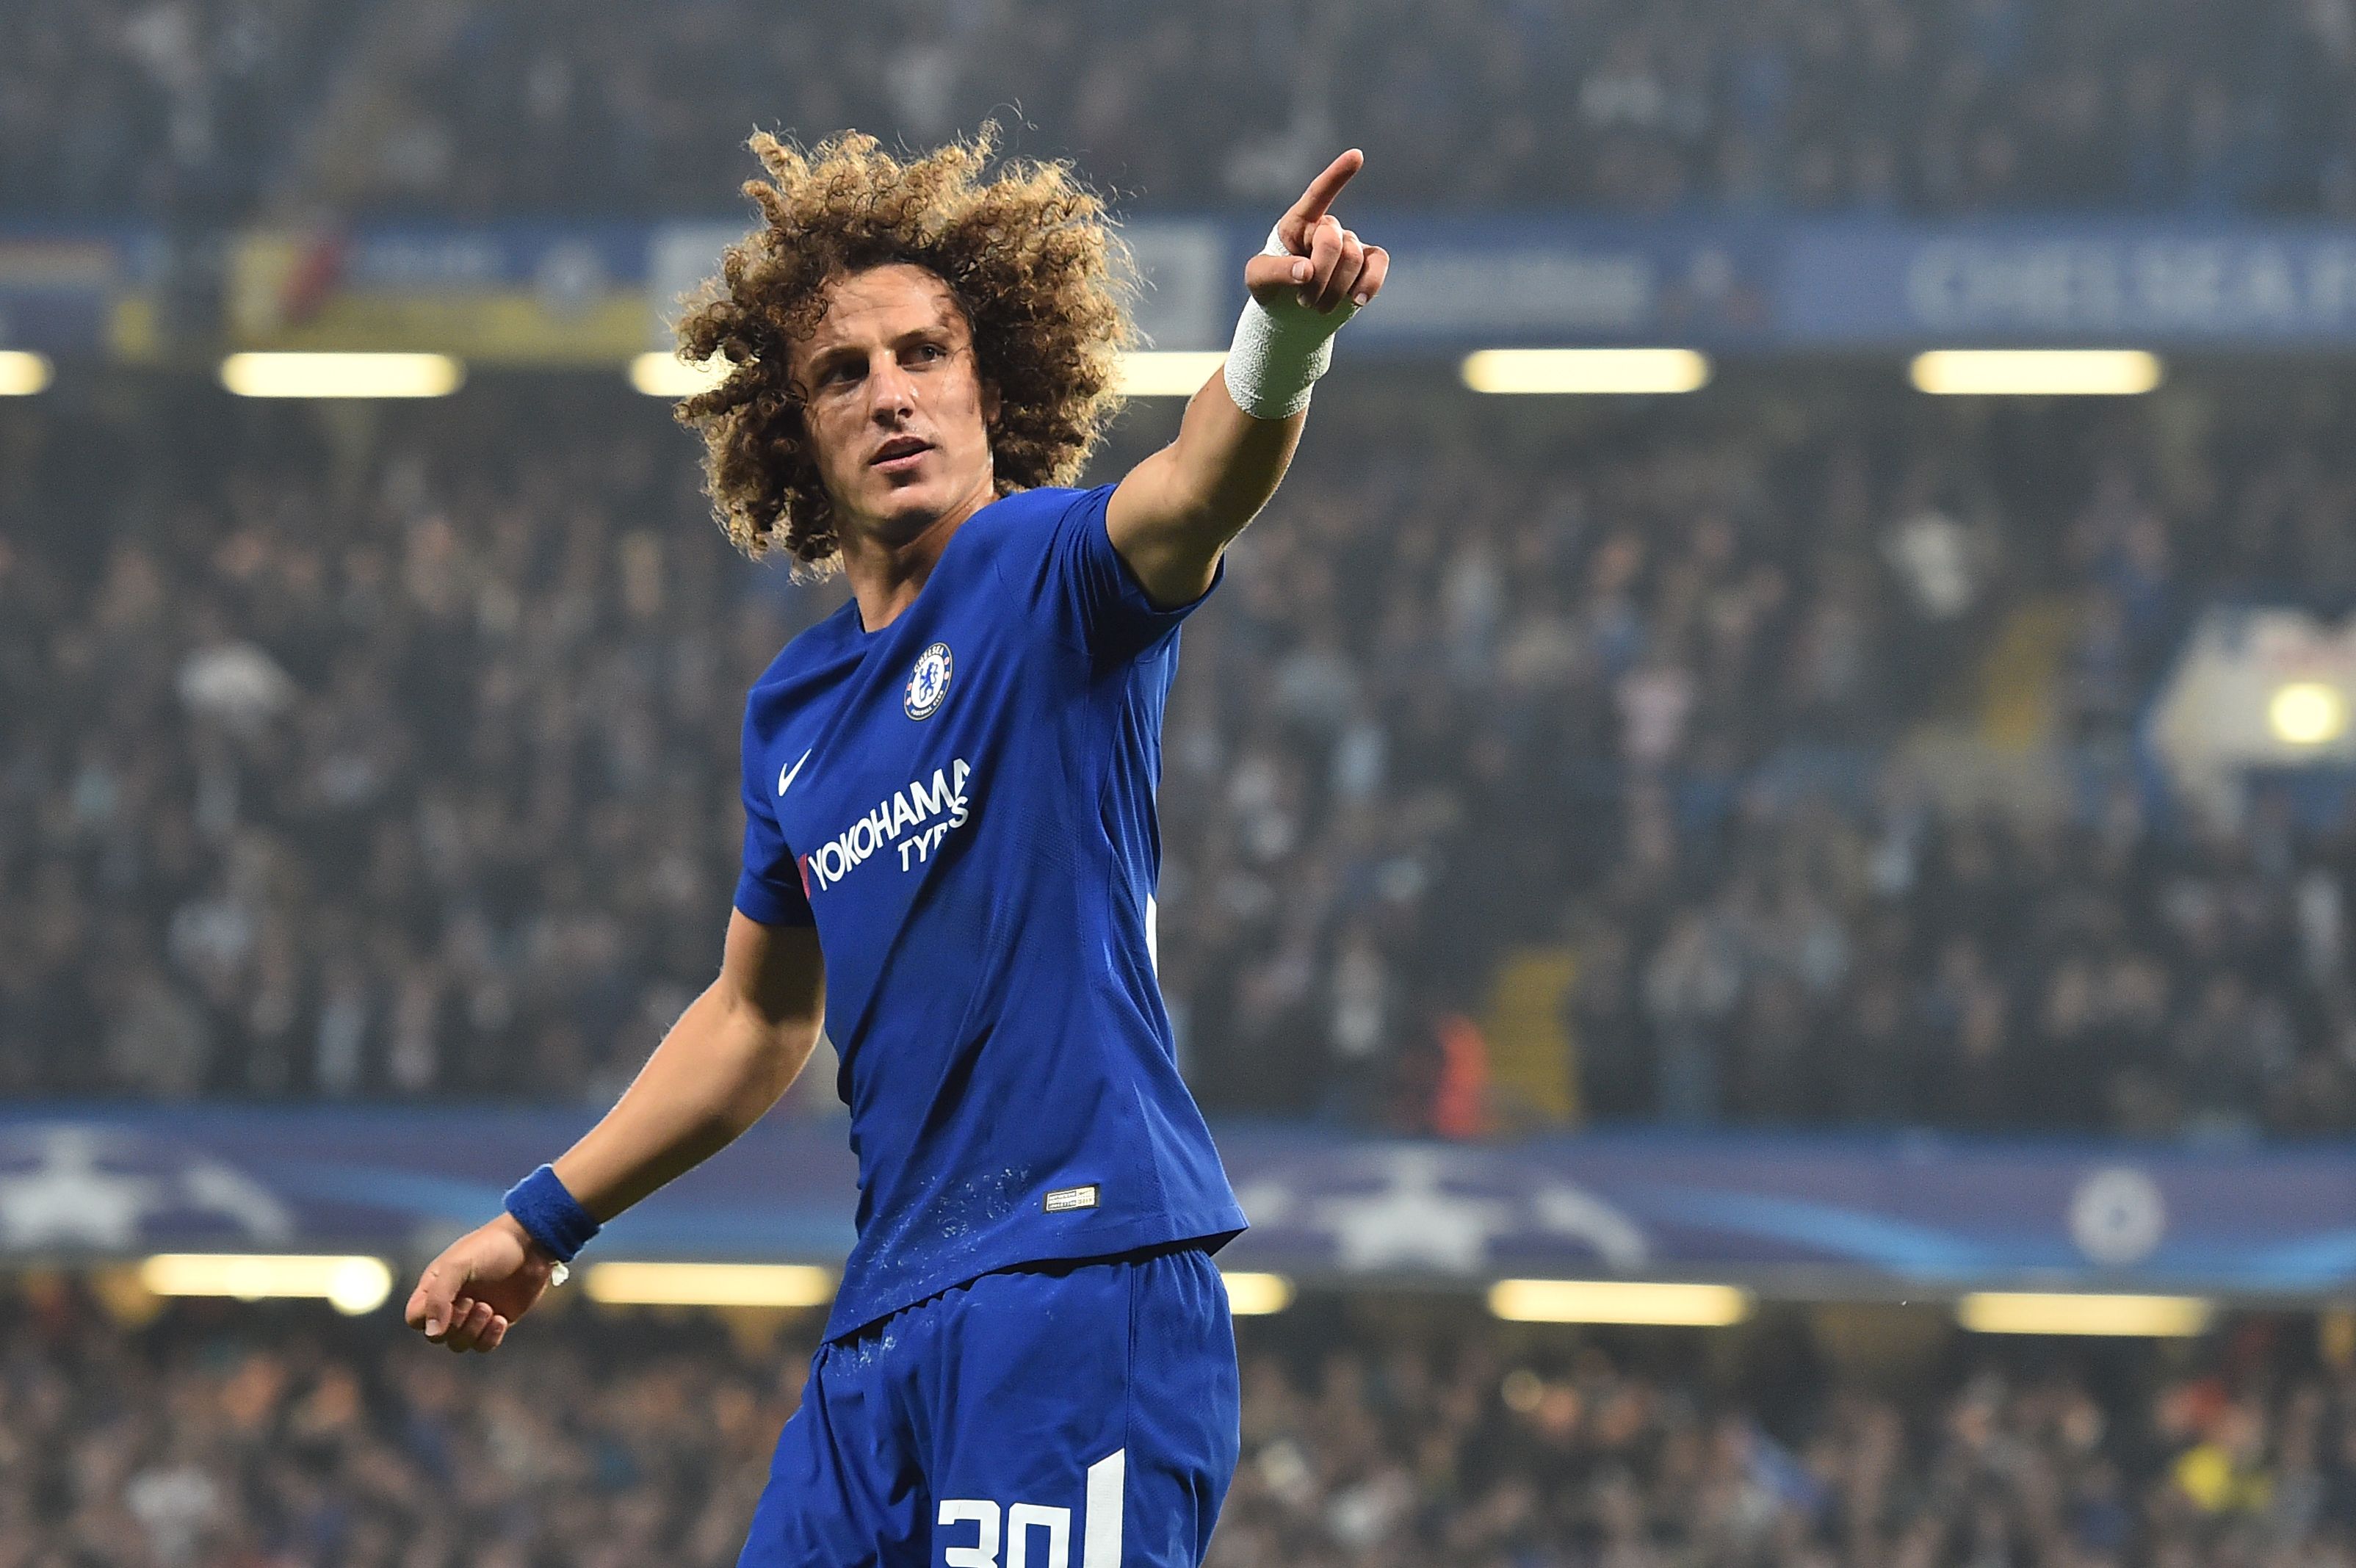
(886, 576)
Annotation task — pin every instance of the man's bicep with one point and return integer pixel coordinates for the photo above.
(1174, 516)
(1171, 554)
(769, 889)
(1094, 592)
(777, 969)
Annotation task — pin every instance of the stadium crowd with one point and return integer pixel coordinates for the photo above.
(394, 753)
(485, 110)
(229, 1435)
(175, 110)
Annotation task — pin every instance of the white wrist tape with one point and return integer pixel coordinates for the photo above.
(1280, 352)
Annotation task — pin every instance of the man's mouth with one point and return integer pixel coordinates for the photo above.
(899, 454)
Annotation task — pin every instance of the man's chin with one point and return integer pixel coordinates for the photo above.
(896, 510)
(904, 511)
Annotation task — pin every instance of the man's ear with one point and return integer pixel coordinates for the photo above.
(989, 401)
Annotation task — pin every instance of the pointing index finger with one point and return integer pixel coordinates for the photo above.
(1319, 197)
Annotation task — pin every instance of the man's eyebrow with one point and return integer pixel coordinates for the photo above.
(824, 356)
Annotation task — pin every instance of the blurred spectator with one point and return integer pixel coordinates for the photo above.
(469, 110)
(180, 111)
(1375, 1436)
(396, 756)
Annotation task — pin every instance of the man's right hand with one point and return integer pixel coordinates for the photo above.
(480, 1284)
(723, 1064)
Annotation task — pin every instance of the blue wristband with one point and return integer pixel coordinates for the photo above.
(549, 1215)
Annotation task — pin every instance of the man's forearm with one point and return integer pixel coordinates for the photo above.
(1175, 512)
(720, 1068)
(1178, 509)
(1229, 464)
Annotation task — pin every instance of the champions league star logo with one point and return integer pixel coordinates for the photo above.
(1413, 1209)
(67, 1185)
(930, 683)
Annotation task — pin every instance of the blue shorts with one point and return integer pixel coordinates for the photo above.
(1056, 1415)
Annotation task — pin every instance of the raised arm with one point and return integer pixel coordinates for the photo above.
(1177, 511)
(732, 1054)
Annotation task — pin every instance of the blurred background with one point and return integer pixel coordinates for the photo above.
(1757, 849)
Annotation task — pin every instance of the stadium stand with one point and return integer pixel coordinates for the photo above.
(183, 112)
(440, 800)
(477, 111)
(1374, 1435)
(1727, 772)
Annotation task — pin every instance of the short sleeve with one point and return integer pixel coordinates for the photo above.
(1093, 592)
(770, 889)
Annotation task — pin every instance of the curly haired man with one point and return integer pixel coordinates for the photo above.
(949, 859)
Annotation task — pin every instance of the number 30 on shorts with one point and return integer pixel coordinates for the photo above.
(1038, 1535)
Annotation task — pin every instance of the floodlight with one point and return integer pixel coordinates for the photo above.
(352, 1285)
(1585, 370)
(708, 1284)
(342, 375)
(1618, 1301)
(2037, 372)
(23, 372)
(658, 374)
(2308, 712)
(1167, 372)
(1255, 1295)
(2039, 1312)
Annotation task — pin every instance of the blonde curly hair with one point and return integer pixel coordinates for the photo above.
(1028, 253)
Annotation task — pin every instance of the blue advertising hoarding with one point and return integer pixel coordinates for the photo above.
(1515, 282)
(1802, 286)
(1825, 1216)
(2068, 282)
(583, 293)
(533, 293)
(60, 289)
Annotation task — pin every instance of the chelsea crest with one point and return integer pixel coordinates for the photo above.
(928, 683)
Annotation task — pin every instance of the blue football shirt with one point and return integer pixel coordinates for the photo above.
(963, 803)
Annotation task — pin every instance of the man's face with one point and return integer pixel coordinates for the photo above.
(895, 405)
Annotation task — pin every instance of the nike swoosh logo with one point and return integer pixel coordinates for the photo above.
(786, 775)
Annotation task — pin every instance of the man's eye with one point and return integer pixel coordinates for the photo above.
(930, 351)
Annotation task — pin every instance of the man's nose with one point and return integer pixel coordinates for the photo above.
(891, 390)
